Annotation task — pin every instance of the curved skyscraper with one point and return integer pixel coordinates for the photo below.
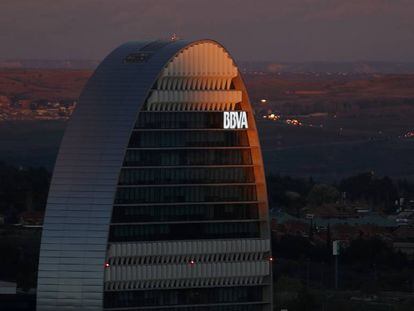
(158, 198)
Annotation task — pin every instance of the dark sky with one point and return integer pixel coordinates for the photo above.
(277, 30)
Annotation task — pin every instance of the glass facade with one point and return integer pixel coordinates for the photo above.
(180, 120)
(227, 307)
(174, 138)
(184, 212)
(193, 157)
(186, 179)
(186, 175)
(183, 231)
(190, 193)
(171, 297)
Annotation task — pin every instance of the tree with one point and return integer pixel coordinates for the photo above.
(322, 193)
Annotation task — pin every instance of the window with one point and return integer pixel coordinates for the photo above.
(187, 212)
(184, 194)
(124, 299)
(159, 139)
(183, 231)
(211, 175)
(188, 157)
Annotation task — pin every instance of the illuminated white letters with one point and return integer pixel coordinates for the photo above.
(235, 120)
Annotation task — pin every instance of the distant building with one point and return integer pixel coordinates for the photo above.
(25, 104)
(4, 101)
(406, 248)
(403, 218)
(31, 218)
(8, 288)
(158, 199)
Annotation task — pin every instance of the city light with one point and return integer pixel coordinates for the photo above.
(272, 116)
(293, 122)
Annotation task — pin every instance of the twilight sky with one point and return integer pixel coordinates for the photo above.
(277, 30)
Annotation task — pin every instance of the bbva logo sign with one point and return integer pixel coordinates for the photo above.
(235, 120)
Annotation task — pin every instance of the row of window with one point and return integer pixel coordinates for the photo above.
(234, 307)
(183, 194)
(180, 120)
(188, 157)
(191, 296)
(186, 176)
(184, 212)
(186, 231)
(158, 139)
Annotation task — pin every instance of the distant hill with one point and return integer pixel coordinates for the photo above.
(49, 64)
(42, 84)
(333, 67)
(364, 67)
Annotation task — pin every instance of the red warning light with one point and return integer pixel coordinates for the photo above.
(106, 265)
(192, 262)
(271, 258)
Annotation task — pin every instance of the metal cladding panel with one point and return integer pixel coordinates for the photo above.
(176, 272)
(76, 225)
(159, 248)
